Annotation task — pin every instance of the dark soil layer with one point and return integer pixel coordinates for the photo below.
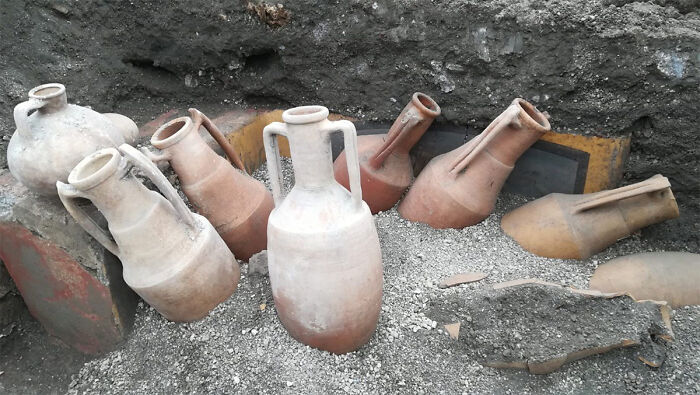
(604, 67)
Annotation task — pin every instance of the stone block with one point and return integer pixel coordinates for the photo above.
(70, 283)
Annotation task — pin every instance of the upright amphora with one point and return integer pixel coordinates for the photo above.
(323, 251)
(460, 188)
(385, 165)
(52, 136)
(171, 257)
(235, 203)
(577, 226)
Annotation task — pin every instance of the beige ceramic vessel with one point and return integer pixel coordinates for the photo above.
(323, 251)
(52, 136)
(673, 277)
(172, 258)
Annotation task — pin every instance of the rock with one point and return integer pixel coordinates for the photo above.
(257, 264)
(69, 282)
(540, 336)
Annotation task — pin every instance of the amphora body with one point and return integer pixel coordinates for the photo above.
(460, 188)
(385, 164)
(172, 258)
(236, 204)
(52, 136)
(323, 251)
(670, 276)
(577, 226)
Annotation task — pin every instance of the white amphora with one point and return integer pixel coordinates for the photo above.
(173, 258)
(324, 258)
(52, 136)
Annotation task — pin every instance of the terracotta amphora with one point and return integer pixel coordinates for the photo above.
(673, 277)
(385, 166)
(460, 188)
(578, 226)
(235, 203)
(323, 251)
(172, 258)
(52, 136)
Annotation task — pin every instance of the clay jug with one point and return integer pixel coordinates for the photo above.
(52, 136)
(172, 258)
(669, 276)
(385, 166)
(460, 188)
(236, 204)
(323, 251)
(578, 226)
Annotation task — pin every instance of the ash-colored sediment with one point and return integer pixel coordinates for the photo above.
(240, 347)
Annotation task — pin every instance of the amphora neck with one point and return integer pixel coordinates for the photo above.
(52, 97)
(310, 146)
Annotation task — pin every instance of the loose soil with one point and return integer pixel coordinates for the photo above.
(241, 345)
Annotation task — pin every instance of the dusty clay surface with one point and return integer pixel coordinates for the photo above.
(534, 324)
(241, 345)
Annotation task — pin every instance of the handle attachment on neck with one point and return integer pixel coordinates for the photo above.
(200, 119)
(656, 183)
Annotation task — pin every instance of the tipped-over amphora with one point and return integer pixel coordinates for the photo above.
(385, 164)
(578, 226)
(171, 257)
(323, 251)
(460, 188)
(673, 277)
(52, 136)
(235, 203)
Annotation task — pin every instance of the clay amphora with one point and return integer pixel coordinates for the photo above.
(578, 226)
(172, 258)
(673, 277)
(52, 136)
(236, 204)
(323, 251)
(385, 166)
(459, 188)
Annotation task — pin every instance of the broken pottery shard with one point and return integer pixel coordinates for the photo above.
(539, 326)
(462, 278)
(669, 276)
(453, 330)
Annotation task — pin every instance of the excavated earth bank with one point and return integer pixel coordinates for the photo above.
(600, 67)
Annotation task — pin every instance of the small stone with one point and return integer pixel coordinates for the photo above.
(257, 264)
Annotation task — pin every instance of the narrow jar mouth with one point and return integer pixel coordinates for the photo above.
(47, 91)
(533, 116)
(305, 114)
(171, 133)
(426, 104)
(95, 168)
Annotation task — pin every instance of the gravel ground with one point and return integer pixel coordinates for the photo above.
(242, 347)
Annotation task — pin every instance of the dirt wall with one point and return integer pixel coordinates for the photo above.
(603, 67)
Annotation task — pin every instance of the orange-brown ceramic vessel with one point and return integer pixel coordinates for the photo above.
(385, 166)
(459, 188)
(236, 204)
(578, 226)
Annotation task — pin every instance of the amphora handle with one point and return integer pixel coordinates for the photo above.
(151, 171)
(21, 113)
(272, 153)
(480, 142)
(351, 156)
(200, 119)
(68, 193)
(656, 183)
(415, 113)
